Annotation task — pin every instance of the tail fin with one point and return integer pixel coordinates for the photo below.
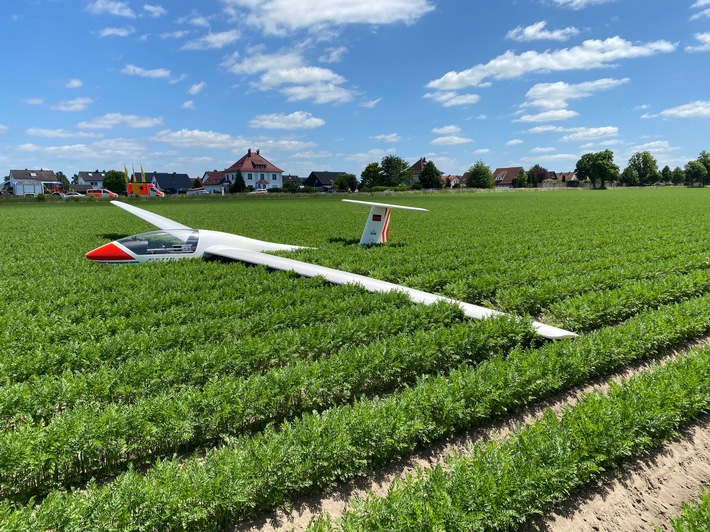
(378, 221)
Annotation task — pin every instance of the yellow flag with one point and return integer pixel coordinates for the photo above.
(133, 175)
(125, 172)
(142, 175)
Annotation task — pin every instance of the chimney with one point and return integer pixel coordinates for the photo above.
(257, 151)
(249, 152)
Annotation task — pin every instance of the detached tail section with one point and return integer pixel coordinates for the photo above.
(377, 225)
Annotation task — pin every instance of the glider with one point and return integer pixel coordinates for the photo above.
(177, 241)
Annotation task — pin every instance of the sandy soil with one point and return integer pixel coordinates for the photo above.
(653, 491)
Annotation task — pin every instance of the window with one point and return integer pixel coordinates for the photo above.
(249, 177)
(262, 176)
(273, 177)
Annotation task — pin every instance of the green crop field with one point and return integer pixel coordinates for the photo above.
(198, 395)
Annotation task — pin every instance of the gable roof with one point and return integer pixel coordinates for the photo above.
(166, 180)
(216, 177)
(504, 176)
(322, 179)
(39, 175)
(253, 162)
(418, 167)
(288, 178)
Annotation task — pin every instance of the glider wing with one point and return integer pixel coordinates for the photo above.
(161, 222)
(368, 283)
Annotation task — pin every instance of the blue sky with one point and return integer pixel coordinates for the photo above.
(333, 85)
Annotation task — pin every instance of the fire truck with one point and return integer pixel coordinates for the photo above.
(54, 188)
(143, 189)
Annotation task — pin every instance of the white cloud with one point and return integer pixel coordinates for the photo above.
(288, 73)
(700, 3)
(191, 138)
(213, 40)
(195, 19)
(133, 70)
(3, 129)
(555, 95)
(333, 55)
(117, 32)
(545, 129)
(371, 104)
(450, 98)
(34, 101)
(174, 34)
(514, 142)
(590, 54)
(59, 133)
(541, 149)
(697, 109)
(549, 116)
(73, 83)
(705, 13)
(187, 104)
(279, 16)
(196, 88)
(154, 11)
(388, 137)
(297, 120)
(119, 9)
(587, 133)
(537, 32)
(658, 146)
(450, 140)
(111, 120)
(580, 4)
(704, 46)
(446, 130)
(482, 151)
(77, 104)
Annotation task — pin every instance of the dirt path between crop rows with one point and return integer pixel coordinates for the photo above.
(650, 493)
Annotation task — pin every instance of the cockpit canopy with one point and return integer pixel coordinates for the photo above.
(168, 242)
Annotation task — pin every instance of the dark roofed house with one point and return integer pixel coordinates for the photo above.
(322, 180)
(170, 183)
(256, 171)
(94, 179)
(417, 168)
(30, 182)
(503, 177)
(294, 179)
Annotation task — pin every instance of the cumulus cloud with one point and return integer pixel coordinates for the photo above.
(117, 32)
(333, 55)
(446, 130)
(133, 70)
(76, 104)
(297, 120)
(450, 98)
(73, 83)
(587, 133)
(154, 11)
(580, 4)
(704, 45)
(450, 140)
(111, 120)
(59, 133)
(187, 104)
(696, 109)
(554, 115)
(388, 137)
(371, 104)
(514, 142)
(280, 16)
(213, 40)
(110, 7)
(537, 32)
(590, 54)
(196, 88)
(555, 95)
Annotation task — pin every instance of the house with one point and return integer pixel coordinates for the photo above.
(30, 182)
(257, 172)
(416, 169)
(294, 179)
(322, 180)
(450, 181)
(566, 176)
(94, 179)
(170, 183)
(214, 181)
(503, 177)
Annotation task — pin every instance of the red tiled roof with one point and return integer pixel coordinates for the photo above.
(253, 162)
(504, 176)
(213, 178)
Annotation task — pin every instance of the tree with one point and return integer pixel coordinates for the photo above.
(521, 179)
(346, 182)
(678, 176)
(196, 183)
(629, 177)
(115, 181)
(431, 176)
(371, 176)
(480, 176)
(704, 159)
(645, 167)
(598, 166)
(63, 179)
(536, 175)
(239, 185)
(666, 174)
(395, 171)
(695, 172)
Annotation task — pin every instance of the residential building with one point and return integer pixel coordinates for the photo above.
(503, 177)
(288, 178)
(30, 182)
(322, 180)
(170, 183)
(94, 179)
(215, 181)
(416, 169)
(256, 171)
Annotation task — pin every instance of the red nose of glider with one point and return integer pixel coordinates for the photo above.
(109, 253)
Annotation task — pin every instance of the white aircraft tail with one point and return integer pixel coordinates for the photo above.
(378, 221)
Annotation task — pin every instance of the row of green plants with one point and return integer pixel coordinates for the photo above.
(694, 515)
(249, 475)
(151, 371)
(502, 484)
(95, 439)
